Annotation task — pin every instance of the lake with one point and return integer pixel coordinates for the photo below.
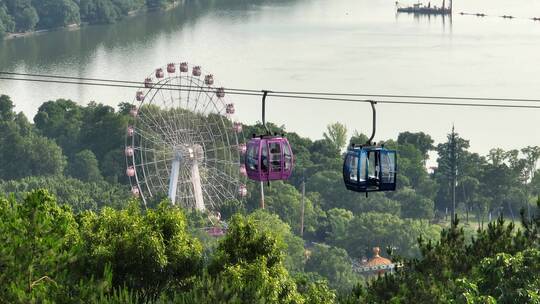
(359, 46)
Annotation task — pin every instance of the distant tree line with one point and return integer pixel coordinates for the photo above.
(29, 15)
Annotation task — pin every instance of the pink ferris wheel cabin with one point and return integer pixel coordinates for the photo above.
(269, 158)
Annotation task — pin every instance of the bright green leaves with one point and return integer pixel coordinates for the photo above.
(148, 252)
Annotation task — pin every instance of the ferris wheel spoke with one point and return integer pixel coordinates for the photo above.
(156, 125)
(159, 122)
(170, 112)
(154, 162)
(220, 188)
(222, 175)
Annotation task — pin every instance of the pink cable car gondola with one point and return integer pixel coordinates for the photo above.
(160, 73)
(130, 131)
(269, 157)
(171, 68)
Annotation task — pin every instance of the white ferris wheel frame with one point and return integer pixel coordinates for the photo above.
(188, 151)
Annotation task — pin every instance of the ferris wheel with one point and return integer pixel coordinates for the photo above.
(182, 142)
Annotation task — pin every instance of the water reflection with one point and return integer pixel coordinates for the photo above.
(310, 45)
(78, 47)
(444, 20)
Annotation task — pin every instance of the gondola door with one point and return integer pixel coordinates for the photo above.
(275, 157)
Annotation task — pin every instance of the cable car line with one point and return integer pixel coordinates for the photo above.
(292, 92)
(259, 93)
(410, 96)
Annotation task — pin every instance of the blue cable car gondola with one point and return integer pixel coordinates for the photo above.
(370, 168)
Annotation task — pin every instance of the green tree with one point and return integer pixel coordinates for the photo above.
(61, 120)
(41, 157)
(285, 200)
(85, 167)
(39, 241)
(250, 263)
(56, 13)
(98, 11)
(7, 24)
(338, 220)
(423, 142)
(22, 152)
(99, 119)
(24, 14)
(336, 133)
(368, 230)
(292, 245)
(414, 205)
(452, 160)
(149, 253)
(69, 191)
(334, 264)
(358, 138)
(532, 155)
(510, 278)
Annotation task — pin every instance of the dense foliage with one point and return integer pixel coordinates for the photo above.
(51, 255)
(106, 249)
(499, 265)
(29, 15)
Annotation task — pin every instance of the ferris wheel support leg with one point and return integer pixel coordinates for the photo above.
(197, 188)
(173, 181)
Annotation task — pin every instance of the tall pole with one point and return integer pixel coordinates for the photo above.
(262, 195)
(454, 169)
(303, 207)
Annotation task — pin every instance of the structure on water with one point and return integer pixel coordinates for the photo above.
(422, 9)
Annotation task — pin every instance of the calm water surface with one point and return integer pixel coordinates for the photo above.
(313, 45)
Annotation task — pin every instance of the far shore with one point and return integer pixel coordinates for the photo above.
(77, 26)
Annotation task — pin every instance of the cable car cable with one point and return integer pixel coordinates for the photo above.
(171, 87)
(293, 92)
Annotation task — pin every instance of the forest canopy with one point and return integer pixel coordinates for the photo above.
(18, 16)
(92, 228)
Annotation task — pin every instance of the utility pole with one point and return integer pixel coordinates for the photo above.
(262, 195)
(303, 207)
(453, 170)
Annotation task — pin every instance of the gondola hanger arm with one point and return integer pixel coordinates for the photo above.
(373, 103)
(265, 93)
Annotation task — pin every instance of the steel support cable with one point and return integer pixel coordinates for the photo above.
(258, 92)
(171, 87)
